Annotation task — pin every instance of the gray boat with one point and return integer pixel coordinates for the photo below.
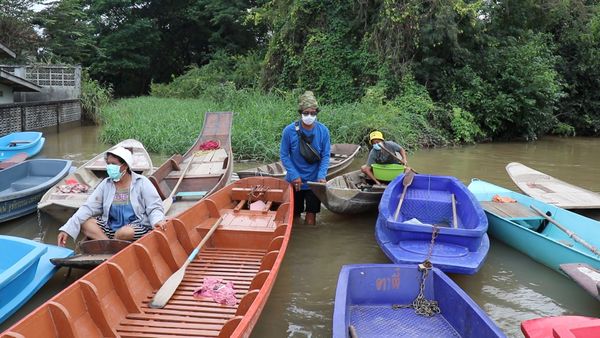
(350, 193)
(23, 185)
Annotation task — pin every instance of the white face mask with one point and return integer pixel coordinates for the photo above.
(309, 119)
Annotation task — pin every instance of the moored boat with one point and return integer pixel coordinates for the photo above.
(253, 222)
(24, 268)
(342, 155)
(29, 142)
(585, 276)
(561, 327)
(514, 222)
(349, 193)
(203, 171)
(551, 190)
(372, 300)
(62, 200)
(22, 185)
(439, 219)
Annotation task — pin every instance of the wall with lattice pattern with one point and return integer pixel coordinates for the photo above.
(31, 116)
(58, 82)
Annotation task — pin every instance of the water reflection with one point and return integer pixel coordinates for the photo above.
(510, 287)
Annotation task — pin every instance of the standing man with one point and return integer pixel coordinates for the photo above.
(383, 152)
(305, 151)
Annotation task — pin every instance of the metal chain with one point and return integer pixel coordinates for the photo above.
(421, 305)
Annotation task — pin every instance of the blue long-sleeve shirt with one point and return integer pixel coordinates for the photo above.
(293, 161)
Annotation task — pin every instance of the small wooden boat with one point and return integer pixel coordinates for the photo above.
(246, 249)
(209, 170)
(349, 193)
(561, 327)
(461, 243)
(342, 155)
(530, 232)
(586, 276)
(69, 194)
(9, 162)
(371, 301)
(22, 185)
(91, 253)
(24, 268)
(29, 142)
(551, 190)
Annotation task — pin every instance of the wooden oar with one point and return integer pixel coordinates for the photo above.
(406, 181)
(389, 152)
(167, 290)
(567, 231)
(454, 219)
(168, 202)
(352, 331)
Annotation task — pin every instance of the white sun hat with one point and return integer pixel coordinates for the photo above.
(124, 154)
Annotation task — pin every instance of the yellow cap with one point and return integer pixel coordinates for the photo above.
(376, 135)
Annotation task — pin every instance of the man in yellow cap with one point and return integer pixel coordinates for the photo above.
(305, 151)
(383, 152)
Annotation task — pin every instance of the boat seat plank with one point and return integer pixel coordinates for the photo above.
(193, 320)
(512, 211)
(243, 193)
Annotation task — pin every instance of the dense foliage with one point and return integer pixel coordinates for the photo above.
(483, 69)
(169, 125)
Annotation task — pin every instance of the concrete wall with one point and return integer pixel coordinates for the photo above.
(6, 94)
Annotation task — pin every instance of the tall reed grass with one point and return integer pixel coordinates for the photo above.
(169, 125)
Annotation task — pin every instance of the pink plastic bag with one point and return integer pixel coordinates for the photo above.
(220, 291)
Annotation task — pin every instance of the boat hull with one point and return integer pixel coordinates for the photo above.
(23, 185)
(25, 269)
(549, 246)
(62, 205)
(247, 249)
(366, 293)
(29, 142)
(551, 190)
(209, 171)
(461, 243)
(349, 193)
(561, 327)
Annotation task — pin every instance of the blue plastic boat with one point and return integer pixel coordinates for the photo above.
(458, 248)
(517, 225)
(23, 185)
(24, 268)
(30, 142)
(366, 294)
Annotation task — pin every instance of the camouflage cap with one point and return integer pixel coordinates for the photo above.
(307, 101)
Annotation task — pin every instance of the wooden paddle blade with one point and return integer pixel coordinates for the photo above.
(408, 178)
(166, 291)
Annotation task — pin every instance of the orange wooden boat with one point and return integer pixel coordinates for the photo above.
(247, 249)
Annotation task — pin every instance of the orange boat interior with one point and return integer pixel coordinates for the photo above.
(247, 249)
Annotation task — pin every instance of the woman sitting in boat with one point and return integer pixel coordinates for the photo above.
(128, 205)
(383, 152)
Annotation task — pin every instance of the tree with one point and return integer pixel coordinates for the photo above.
(16, 28)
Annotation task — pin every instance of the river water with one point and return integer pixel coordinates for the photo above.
(510, 287)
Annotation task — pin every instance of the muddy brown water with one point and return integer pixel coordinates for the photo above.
(510, 287)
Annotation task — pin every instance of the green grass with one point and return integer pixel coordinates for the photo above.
(169, 125)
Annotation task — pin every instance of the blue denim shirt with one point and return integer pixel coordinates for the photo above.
(144, 198)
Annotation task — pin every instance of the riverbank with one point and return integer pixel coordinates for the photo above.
(167, 125)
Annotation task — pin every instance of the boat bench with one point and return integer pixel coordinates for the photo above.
(516, 212)
(28, 182)
(17, 142)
